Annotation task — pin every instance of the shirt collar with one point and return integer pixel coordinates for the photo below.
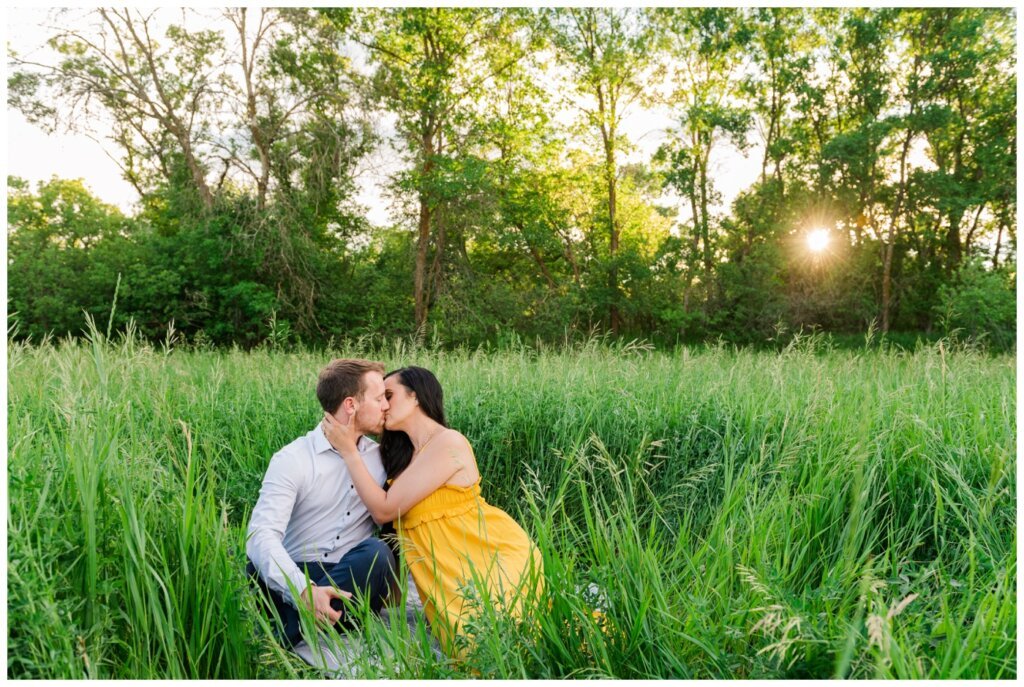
(322, 445)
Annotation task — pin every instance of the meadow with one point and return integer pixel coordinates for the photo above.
(808, 512)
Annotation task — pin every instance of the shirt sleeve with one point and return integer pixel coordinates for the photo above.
(270, 516)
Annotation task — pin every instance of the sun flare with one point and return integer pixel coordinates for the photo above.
(817, 240)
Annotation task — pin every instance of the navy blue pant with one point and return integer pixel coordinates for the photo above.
(367, 570)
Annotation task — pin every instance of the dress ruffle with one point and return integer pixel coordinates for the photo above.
(454, 535)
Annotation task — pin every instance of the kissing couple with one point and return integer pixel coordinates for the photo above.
(315, 535)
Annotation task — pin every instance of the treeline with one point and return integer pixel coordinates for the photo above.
(518, 206)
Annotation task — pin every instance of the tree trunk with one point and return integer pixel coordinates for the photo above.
(974, 227)
(570, 257)
(773, 116)
(198, 176)
(890, 245)
(613, 249)
(537, 258)
(434, 283)
(954, 248)
(420, 273)
(705, 230)
(423, 236)
(608, 137)
(258, 139)
(887, 278)
(999, 241)
(695, 239)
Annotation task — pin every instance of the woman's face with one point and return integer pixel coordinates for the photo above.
(402, 403)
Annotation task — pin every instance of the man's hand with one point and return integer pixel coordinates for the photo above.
(343, 436)
(321, 602)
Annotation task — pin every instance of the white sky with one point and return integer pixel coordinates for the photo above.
(35, 155)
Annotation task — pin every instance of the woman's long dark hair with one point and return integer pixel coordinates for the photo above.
(396, 447)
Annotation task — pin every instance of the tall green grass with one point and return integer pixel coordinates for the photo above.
(714, 513)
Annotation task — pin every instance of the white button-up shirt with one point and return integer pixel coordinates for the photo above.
(308, 510)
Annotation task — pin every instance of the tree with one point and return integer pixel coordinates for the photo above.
(160, 96)
(203, 125)
(954, 95)
(893, 128)
(706, 48)
(432, 64)
(59, 261)
(609, 53)
(782, 46)
(910, 99)
(519, 134)
(299, 130)
(972, 66)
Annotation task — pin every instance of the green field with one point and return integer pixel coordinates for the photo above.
(803, 513)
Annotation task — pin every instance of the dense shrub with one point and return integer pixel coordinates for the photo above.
(981, 304)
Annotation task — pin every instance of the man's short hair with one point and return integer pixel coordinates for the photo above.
(343, 377)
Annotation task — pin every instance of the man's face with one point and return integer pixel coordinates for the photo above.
(369, 417)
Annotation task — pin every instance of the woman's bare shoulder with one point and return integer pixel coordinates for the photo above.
(452, 446)
(453, 441)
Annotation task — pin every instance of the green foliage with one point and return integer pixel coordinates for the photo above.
(980, 304)
(372, 298)
(223, 275)
(65, 250)
(894, 129)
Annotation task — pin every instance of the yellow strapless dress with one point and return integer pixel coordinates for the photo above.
(454, 541)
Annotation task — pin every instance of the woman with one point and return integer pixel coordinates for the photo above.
(453, 541)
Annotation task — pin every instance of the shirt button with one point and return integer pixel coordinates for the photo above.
(351, 486)
(349, 513)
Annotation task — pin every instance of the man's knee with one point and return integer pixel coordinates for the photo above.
(383, 552)
(369, 567)
(381, 562)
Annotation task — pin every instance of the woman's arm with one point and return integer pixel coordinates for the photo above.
(422, 478)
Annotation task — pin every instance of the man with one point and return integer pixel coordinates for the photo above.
(310, 521)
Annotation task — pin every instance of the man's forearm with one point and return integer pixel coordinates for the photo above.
(275, 566)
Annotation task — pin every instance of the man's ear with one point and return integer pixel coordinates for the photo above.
(348, 405)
